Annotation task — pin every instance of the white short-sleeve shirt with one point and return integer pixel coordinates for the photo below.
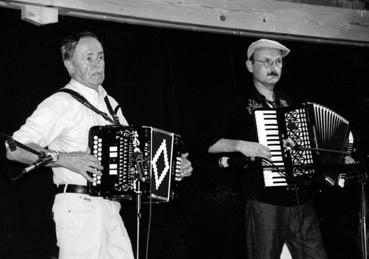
(62, 123)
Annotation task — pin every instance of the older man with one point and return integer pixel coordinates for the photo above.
(86, 226)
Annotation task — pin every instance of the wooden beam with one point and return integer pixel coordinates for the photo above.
(352, 4)
(270, 18)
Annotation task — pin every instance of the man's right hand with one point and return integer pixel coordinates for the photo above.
(253, 149)
(81, 163)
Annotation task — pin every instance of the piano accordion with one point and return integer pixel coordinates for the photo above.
(116, 147)
(319, 137)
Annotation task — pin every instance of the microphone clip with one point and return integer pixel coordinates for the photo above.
(235, 162)
(43, 160)
(138, 159)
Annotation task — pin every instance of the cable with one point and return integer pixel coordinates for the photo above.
(300, 220)
(14, 179)
(276, 167)
(298, 206)
(149, 225)
(283, 174)
(294, 179)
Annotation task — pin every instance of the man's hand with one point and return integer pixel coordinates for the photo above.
(253, 150)
(186, 167)
(81, 163)
(349, 160)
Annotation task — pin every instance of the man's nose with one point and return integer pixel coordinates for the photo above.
(97, 62)
(274, 64)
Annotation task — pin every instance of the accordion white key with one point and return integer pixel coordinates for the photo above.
(319, 134)
(115, 147)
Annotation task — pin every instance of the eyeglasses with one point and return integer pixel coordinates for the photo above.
(269, 63)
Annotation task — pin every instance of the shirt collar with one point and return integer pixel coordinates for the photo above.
(261, 98)
(87, 92)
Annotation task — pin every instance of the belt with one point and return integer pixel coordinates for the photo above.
(73, 188)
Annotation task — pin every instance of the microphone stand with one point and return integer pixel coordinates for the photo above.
(138, 213)
(139, 177)
(13, 144)
(363, 176)
(363, 232)
(322, 150)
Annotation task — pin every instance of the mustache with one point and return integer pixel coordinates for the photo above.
(273, 73)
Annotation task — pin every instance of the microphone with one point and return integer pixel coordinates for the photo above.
(40, 162)
(235, 162)
(137, 155)
(329, 180)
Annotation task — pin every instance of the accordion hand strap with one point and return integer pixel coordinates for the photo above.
(84, 101)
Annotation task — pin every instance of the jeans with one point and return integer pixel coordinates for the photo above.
(268, 227)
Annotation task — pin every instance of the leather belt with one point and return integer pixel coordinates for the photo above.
(73, 188)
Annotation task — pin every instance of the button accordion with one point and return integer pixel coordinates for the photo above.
(156, 163)
(319, 138)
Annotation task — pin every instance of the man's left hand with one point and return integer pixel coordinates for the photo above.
(186, 167)
(349, 160)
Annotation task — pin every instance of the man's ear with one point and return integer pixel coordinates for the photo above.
(69, 66)
(249, 66)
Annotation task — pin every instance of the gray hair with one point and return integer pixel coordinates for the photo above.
(69, 44)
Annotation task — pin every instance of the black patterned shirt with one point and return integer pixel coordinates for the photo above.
(237, 121)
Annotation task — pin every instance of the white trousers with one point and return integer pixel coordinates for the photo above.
(90, 228)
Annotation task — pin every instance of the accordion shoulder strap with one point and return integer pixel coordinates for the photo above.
(85, 102)
(112, 112)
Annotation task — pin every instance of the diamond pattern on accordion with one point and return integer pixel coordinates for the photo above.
(160, 153)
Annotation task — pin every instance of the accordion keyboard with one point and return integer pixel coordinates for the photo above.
(269, 135)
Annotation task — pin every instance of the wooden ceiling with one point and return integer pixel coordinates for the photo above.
(331, 21)
(351, 4)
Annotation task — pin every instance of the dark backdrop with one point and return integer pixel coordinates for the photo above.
(174, 80)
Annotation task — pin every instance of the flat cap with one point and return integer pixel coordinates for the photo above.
(265, 43)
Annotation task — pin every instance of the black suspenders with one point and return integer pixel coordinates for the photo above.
(84, 101)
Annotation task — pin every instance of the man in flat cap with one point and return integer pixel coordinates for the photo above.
(274, 216)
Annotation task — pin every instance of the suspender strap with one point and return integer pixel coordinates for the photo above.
(84, 101)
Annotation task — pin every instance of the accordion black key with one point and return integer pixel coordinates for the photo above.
(154, 166)
(318, 135)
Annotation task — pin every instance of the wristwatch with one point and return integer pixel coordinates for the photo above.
(54, 154)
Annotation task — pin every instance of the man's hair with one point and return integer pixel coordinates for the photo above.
(69, 44)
